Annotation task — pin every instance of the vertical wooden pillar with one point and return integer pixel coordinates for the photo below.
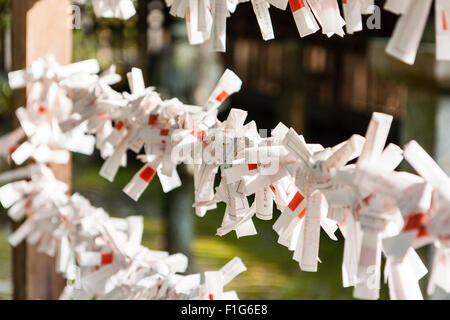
(39, 27)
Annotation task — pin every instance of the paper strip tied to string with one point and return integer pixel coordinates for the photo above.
(206, 20)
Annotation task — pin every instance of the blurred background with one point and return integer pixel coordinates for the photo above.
(326, 89)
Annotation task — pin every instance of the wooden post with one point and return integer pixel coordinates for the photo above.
(39, 27)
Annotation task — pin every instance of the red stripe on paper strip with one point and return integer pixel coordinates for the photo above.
(221, 97)
(107, 258)
(119, 125)
(42, 109)
(444, 21)
(164, 133)
(252, 166)
(416, 222)
(302, 214)
(199, 134)
(152, 119)
(29, 203)
(12, 149)
(66, 220)
(147, 174)
(188, 15)
(296, 5)
(211, 297)
(295, 202)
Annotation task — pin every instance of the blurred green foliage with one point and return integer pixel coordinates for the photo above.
(5, 20)
(5, 94)
(5, 261)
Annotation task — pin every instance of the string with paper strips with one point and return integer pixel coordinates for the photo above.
(101, 257)
(207, 19)
(378, 210)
